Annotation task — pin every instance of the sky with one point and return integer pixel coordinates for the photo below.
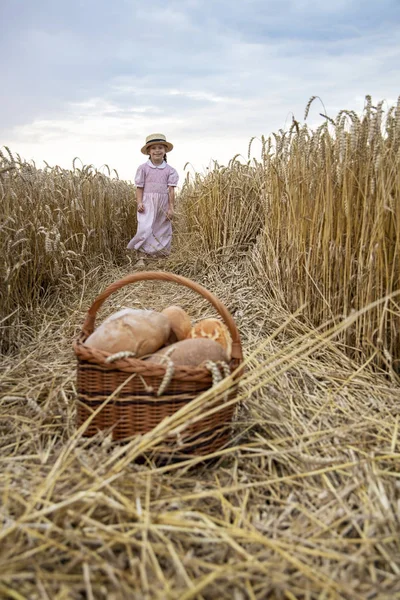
(92, 78)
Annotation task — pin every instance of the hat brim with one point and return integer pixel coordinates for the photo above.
(145, 149)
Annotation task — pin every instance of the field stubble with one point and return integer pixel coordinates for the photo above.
(305, 502)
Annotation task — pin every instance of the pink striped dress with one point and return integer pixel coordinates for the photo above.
(154, 232)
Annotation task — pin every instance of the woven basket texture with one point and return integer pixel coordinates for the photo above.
(128, 387)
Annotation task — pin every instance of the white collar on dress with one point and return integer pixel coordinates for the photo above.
(162, 166)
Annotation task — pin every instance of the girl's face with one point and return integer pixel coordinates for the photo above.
(156, 152)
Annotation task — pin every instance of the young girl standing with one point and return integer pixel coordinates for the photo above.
(155, 194)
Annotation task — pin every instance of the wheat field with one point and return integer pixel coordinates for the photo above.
(302, 244)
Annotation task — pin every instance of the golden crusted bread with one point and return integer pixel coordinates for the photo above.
(213, 329)
(191, 353)
(131, 330)
(179, 321)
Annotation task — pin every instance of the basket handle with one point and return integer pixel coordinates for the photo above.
(88, 326)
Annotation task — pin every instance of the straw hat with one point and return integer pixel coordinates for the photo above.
(155, 138)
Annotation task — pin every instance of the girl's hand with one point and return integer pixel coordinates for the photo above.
(140, 207)
(170, 213)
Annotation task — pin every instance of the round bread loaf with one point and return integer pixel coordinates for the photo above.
(213, 329)
(191, 352)
(131, 330)
(179, 321)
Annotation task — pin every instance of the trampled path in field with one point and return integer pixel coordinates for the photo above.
(304, 504)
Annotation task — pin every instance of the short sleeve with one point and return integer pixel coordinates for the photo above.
(173, 178)
(140, 176)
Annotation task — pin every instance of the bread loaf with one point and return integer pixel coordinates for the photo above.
(191, 352)
(131, 330)
(213, 329)
(179, 321)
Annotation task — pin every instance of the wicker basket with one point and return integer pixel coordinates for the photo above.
(134, 408)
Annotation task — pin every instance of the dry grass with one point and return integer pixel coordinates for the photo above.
(320, 214)
(56, 225)
(304, 503)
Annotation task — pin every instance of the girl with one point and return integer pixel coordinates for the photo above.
(155, 194)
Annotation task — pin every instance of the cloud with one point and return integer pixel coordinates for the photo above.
(95, 78)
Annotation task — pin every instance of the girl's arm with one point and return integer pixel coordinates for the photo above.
(139, 199)
(171, 200)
